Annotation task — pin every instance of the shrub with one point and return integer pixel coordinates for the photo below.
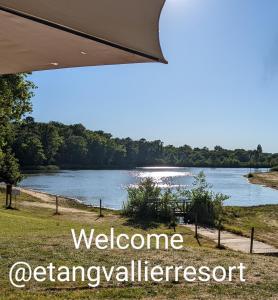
(147, 203)
(52, 168)
(203, 203)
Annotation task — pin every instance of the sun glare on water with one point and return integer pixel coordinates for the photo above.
(162, 174)
(164, 177)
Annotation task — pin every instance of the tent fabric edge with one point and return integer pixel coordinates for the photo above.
(85, 35)
(163, 59)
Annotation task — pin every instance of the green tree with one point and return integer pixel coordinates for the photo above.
(205, 206)
(9, 169)
(51, 141)
(75, 150)
(141, 204)
(15, 101)
(260, 149)
(9, 173)
(29, 151)
(15, 95)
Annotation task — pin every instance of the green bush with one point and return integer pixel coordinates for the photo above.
(52, 168)
(147, 203)
(204, 205)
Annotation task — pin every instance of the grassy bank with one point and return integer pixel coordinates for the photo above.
(32, 233)
(269, 179)
(264, 218)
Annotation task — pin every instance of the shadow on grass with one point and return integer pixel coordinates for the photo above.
(222, 247)
(99, 217)
(10, 208)
(198, 240)
(142, 224)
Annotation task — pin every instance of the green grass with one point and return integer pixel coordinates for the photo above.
(35, 235)
(263, 218)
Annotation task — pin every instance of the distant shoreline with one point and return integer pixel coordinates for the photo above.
(39, 169)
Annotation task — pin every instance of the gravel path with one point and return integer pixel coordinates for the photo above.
(234, 241)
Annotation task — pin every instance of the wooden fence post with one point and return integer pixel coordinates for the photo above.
(183, 210)
(196, 226)
(57, 206)
(7, 196)
(252, 240)
(9, 189)
(100, 208)
(11, 199)
(174, 219)
(219, 235)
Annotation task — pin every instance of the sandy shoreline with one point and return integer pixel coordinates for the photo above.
(49, 201)
(48, 197)
(66, 204)
(267, 179)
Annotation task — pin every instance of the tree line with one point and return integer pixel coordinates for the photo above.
(26, 144)
(37, 145)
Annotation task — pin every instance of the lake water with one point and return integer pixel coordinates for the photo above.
(91, 185)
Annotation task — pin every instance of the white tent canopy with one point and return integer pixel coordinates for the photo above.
(51, 34)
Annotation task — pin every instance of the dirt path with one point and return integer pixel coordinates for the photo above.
(42, 196)
(52, 206)
(235, 242)
(48, 201)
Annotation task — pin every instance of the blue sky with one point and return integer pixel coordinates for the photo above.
(220, 87)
